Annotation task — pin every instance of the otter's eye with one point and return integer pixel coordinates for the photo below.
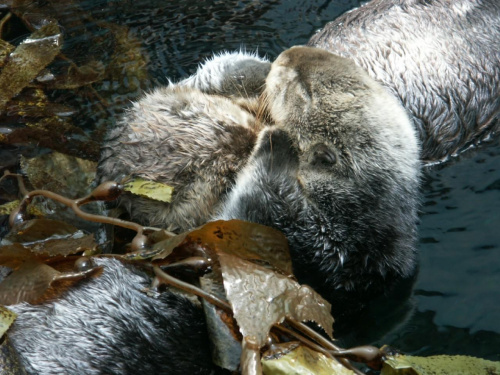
(322, 155)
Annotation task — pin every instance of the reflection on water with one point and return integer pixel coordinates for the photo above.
(458, 287)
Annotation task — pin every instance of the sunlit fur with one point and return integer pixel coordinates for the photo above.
(189, 136)
(351, 222)
(439, 58)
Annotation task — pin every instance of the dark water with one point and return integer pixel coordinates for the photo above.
(457, 294)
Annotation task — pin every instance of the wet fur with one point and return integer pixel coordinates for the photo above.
(107, 325)
(351, 221)
(440, 58)
(194, 136)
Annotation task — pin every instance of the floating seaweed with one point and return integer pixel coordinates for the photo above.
(61, 83)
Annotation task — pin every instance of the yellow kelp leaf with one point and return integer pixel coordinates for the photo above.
(7, 317)
(7, 208)
(439, 365)
(303, 361)
(33, 209)
(149, 189)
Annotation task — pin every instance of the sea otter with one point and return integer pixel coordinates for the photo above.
(336, 169)
(338, 173)
(439, 58)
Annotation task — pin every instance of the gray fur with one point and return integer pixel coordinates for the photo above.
(338, 174)
(440, 58)
(107, 325)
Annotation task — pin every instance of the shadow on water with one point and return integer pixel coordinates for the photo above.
(455, 300)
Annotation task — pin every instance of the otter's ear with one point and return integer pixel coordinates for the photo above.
(232, 74)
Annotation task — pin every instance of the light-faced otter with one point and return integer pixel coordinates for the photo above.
(440, 58)
(337, 171)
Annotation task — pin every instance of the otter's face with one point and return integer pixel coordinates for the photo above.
(337, 173)
(342, 121)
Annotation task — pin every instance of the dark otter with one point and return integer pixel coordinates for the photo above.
(337, 173)
(440, 58)
(108, 325)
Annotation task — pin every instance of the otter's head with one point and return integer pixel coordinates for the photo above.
(337, 173)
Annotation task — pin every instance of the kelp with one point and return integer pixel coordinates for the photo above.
(149, 189)
(45, 70)
(300, 360)
(242, 272)
(439, 365)
(27, 60)
(7, 317)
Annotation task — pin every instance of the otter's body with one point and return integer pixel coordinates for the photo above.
(338, 173)
(440, 58)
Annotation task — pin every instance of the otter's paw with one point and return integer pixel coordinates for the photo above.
(275, 152)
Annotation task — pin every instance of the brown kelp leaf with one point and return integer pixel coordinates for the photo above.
(260, 298)
(439, 364)
(303, 361)
(28, 59)
(73, 76)
(160, 250)
(28, 283)
(247, 240)
(64, 246)
(49, 238)
(14, 255)
(7, 317)
(55, 133)
(67, 175)
(33, 102)
(40, 230)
